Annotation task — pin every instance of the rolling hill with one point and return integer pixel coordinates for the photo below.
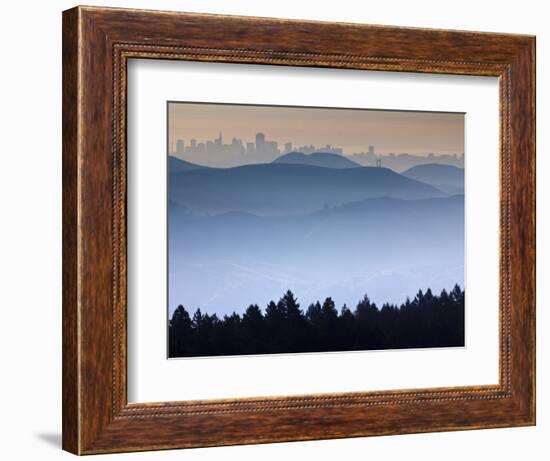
(279, 189)
(176, 165)
(321, 159)
(447, 178)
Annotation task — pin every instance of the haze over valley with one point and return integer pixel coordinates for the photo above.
(318, 224)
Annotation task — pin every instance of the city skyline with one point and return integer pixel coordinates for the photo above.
(260, 142)
(202, 128)
(264, 150)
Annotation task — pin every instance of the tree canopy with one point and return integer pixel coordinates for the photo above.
(427, 321)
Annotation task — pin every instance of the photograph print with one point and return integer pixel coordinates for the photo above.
(310, 229)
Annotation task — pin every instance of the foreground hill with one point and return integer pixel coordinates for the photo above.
(322, 159)
(279, 189)
(445, 177)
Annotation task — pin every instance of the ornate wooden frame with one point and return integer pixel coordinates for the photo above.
(97, 43)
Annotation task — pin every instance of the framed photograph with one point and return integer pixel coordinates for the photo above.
(281, 230)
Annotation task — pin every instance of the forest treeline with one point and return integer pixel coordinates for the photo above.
(426, 321)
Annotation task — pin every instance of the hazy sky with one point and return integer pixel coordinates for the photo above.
(351, 129)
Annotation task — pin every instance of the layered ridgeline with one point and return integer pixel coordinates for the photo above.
(282, 188)
(241, 236)
(447, 178)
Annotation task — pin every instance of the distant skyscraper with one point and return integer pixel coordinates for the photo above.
(180, 147)
(371, 150)
(288, 147)
(260, 139)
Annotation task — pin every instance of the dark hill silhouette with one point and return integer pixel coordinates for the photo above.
(279, 189)
(444, 177)
(322, 159)
(176, 165)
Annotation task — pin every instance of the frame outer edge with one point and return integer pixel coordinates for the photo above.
(522, 233)
(533, 51)
(70, 273)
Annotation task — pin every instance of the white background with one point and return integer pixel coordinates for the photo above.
(153, 378)
(30, 247)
